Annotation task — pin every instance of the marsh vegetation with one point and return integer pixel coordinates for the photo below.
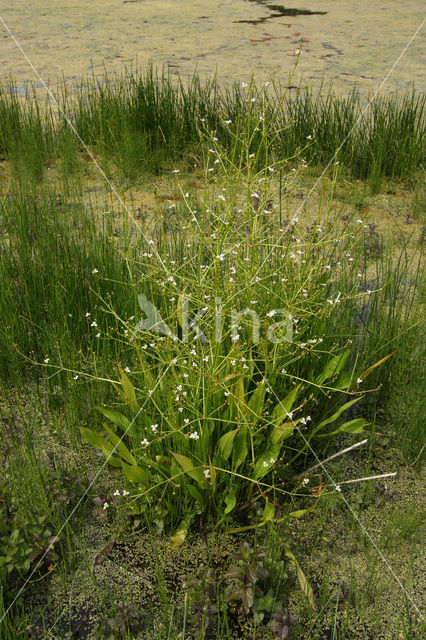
(165, 480)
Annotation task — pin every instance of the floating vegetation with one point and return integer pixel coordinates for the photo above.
(279, 11)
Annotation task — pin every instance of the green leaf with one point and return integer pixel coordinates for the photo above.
(280, 432)
(99, 442)
(335, 415)
(120, 446)
(237, 403)
(353, 426)
(230, 500)
(196, 494)
(134, 473)
(333, 367)
(225, 443)
(284, 407)
(301, 512)
(268, 512)
(179, 310)
(257, 401)
(128, 390)
(374, 366)
(304, 584)
(240, 447)
(116, 417)
(180, 534)
(344, 380)
(189, 468)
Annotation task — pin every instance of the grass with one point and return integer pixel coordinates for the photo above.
(206, 445)
(145, 120)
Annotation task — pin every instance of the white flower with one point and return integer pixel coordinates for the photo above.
(305, 480)
(175, 170)
(309, 137)
(94, 271)
(272, 461)
(98, 335)
(207, 473)
(126, 369)
(359, 221)
(194, 435)
(75, 377)
(338, 489)
(244, 85)
(265, 464)
(106, 505)
(228, 121)
(116, 493)
(125, 493)
(87, 314)
(186, 420)
(226, 393)
(359, 380)
(46, 360)
(94, 324)
(154, 428)
(144, 442)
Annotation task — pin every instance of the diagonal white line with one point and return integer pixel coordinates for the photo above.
(311, 190)
(85, 493)
(92, 157)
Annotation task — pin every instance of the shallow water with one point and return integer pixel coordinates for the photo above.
(352, 43)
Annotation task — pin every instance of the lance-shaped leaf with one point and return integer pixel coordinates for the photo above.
(283, 408)
(134, 473)
(116, 417)
(374, 366)
(257, 402)
(128, 390)
(240, 447)
(280, 432)
(353, 426)
(189, 468)
(335, 415)
(180, 534)
(99, 442)
(120, 446)
(306, 587)
(333, 367)
(226, 442)
(230, 500)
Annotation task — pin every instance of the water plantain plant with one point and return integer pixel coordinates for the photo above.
(233, 437)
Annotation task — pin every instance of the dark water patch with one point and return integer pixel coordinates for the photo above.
(278, 11)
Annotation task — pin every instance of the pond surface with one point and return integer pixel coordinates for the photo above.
(346, 42)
